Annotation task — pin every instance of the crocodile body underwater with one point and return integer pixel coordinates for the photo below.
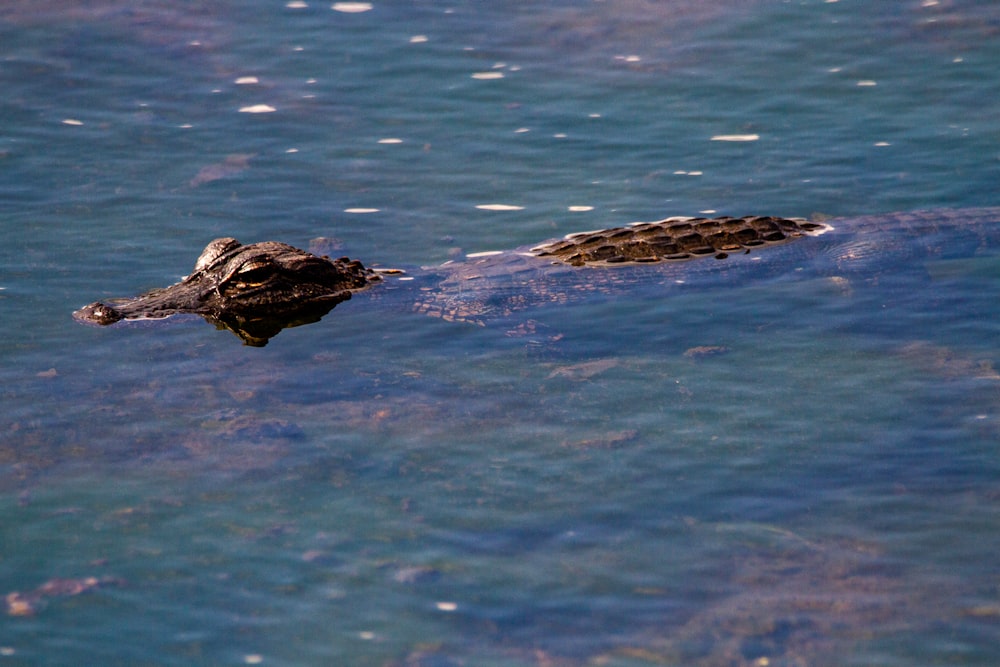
(258, 289)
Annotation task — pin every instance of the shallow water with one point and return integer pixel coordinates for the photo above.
(790, 472)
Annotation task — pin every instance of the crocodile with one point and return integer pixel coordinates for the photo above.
(258, 289)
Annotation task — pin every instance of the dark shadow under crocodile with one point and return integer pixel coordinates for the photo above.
(257, 290)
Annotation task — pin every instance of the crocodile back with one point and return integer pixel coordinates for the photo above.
(676, 239)
(700, 252)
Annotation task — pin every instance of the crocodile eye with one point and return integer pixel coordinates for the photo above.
(255, 271)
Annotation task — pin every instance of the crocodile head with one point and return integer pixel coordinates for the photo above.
(254, 290)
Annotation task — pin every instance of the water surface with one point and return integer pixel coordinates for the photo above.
(790, 472)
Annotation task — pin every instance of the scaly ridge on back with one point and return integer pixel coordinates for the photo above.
(676, 239)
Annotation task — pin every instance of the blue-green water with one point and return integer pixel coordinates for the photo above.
(382, 488)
